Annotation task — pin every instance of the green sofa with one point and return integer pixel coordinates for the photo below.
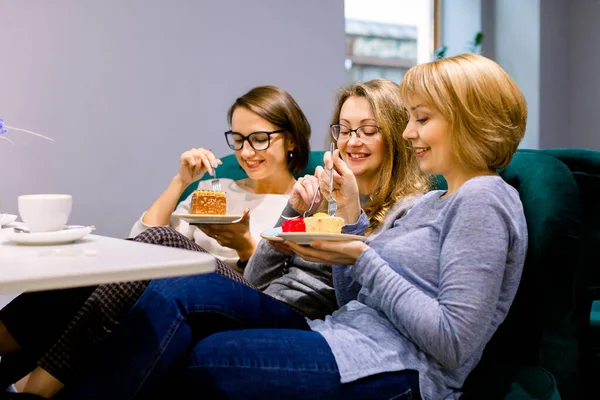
(546, 345)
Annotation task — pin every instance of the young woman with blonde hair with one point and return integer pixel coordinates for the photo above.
(432, 288)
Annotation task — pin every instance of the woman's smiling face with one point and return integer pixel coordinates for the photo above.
(260, 164)
(363, 159)
(427, 133)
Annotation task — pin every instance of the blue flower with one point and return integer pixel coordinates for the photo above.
(4, 128)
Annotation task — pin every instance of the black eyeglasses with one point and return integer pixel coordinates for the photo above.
(258, 140)
(365, 133)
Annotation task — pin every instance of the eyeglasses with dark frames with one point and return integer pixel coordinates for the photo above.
(367, 134)
(258, 140)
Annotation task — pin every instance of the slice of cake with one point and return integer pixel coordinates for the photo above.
(208, 202)
(323, 223)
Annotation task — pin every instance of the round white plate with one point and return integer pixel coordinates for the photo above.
(6, 219)
(304, 238)
(271, 234)
(209, 219)
(70, 234)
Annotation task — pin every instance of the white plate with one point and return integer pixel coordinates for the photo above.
(304, 238)
(70, 234)
(271, 234)
(6, 219)
(209, 219)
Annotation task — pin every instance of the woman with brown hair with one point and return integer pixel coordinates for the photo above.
(270, 138)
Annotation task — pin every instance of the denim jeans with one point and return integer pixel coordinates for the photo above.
(286, 364)
(178, 329)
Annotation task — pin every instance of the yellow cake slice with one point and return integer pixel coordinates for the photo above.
(208, 202)
(323, 223)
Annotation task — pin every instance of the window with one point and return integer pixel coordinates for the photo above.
(384, 38)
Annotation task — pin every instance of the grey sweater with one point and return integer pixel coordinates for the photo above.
(433, 288)
(304, 285)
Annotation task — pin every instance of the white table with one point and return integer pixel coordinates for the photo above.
(92, 260)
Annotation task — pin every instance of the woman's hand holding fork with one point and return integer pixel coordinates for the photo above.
(345, 190)
(345, 187)
(305, 194)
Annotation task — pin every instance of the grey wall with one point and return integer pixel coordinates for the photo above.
(555, 76)
(126, 86)
(551, 45)
(584, 66)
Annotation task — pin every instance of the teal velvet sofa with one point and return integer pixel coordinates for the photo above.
(547, 346)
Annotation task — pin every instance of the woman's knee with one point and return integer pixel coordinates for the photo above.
(158, 235)
(198, 290)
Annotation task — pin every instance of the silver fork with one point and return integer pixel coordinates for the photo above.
(216, 184)
(332, 202)
(312, 203)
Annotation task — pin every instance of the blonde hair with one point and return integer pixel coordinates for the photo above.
(399, 174)
(485, 109)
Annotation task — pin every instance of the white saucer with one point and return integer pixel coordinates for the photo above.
(6, 219)
(70, 234)
(209, 219)
(304, 238)
(271, 234)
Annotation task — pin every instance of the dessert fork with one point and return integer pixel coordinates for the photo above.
(332, 202)
(216, 184)
(312, 203)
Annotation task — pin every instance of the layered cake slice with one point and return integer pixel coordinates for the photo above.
(206, 202)
(323, 223)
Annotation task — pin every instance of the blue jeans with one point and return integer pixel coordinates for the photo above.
(174, 337)
(286, 364)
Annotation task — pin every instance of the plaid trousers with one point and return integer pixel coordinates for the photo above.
(107, 306)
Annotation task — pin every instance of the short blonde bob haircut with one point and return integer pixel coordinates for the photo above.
(399, 174)
(485, 109)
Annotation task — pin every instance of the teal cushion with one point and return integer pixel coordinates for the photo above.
(531, 383)
(550, 200)
(595, 314)
(231, 169)
(585, 166)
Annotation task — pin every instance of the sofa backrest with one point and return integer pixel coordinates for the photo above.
(550, 198)
(585, 166)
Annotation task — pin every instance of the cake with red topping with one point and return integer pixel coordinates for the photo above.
(293, 225)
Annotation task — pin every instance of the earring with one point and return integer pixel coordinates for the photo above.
(291, 154)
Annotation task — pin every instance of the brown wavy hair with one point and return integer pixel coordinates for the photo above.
(400, 174)
(279, 108)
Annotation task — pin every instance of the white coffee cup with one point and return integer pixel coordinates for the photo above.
(45, 212)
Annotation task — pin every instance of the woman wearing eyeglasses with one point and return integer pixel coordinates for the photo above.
(270, 139)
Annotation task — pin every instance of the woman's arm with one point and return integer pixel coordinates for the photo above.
(160, 211)
(345, 285)
(473, 257)
(193, 164)
(267, 263)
